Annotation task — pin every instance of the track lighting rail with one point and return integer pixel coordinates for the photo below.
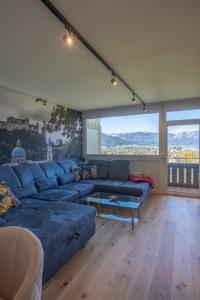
(77, 34)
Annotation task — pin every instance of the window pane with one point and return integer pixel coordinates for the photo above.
(124, 135)
(183, 115)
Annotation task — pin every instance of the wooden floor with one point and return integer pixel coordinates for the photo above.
(184, 191)
(159, 260)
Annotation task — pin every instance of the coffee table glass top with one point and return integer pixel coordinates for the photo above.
(117, 200)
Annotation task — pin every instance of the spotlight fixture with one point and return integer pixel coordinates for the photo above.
(67, 38)
(134, 99)
(114, 81)
(144, 108)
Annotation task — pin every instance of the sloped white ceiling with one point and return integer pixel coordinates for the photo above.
(153, 44)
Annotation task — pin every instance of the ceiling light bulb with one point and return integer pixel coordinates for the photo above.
(144, 108)
(134, 99)
(68, 39)
(114, 81)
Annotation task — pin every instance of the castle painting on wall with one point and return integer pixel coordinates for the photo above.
(41, 132)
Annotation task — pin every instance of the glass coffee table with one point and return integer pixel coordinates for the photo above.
(127, 202)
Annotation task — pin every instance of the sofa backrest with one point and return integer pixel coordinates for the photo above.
(26, 179)
(23, 179)
(19, 180)
(119, 169)
(67, 166)
(112, 169)
(36, 171)
(103, 167)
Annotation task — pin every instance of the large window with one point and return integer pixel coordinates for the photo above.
(123, 135)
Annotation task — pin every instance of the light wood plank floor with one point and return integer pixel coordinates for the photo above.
(159, 260)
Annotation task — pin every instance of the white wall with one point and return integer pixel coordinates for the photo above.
(154, 166)
(93, 145)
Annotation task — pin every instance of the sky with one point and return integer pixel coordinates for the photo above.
(147, 122)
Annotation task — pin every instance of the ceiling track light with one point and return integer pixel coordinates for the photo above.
(77, 34)
(67, 38)
(134, 99)
(144, 107)
(113, 80)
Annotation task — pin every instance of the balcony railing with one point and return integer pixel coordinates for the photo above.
(183, 174)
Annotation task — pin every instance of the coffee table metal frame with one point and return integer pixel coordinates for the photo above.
(118, 201)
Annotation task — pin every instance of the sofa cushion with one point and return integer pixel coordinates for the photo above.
(64, 179)
(119, 169)
(49, 170)
(82, 188)
(131, 188)
(26, 179)
(45, 184)
(119, 187)
(67, 167)
(57, 195)
(36, 171)
(8, 176)
(57, 168)
(102, 167)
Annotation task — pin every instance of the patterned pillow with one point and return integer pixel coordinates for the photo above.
(7, 198)
(89, 172)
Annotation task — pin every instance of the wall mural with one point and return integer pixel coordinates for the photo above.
(34, 130)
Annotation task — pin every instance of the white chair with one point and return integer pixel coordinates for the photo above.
(21, 264)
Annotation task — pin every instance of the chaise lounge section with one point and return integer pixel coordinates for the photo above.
(50, 207)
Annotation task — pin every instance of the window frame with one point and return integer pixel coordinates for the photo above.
(121, 156)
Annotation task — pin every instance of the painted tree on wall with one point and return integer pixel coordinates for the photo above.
(69, 122)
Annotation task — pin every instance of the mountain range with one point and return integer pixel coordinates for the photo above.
(151, 139)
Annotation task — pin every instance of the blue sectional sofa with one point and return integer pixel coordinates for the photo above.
(50, 204)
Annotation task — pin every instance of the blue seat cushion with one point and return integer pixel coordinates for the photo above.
(82, 188)
(118, 186)
(57, 195)
(132, 188)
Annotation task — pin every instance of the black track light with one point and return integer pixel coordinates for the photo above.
(134, 99)
(67, 38)
(144, 108)
(114, 81)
